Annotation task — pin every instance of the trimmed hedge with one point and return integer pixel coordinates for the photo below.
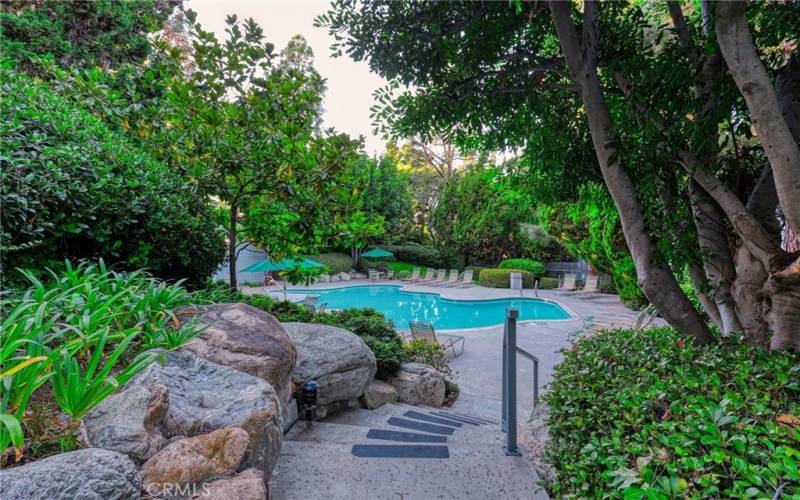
(546, 283)
(534, 267)
(335, 262)
(649, 414)
(417, 254)
(501, 278)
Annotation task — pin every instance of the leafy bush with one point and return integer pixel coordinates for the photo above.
(417, 254)
(546, 283)
(72, 188)
(501, 278)
(651, 415)
(534, 267)
(422, 351)
(334, 261)
(86, 331)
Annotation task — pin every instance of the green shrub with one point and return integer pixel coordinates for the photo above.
(73, 188)
(389, 355)
(334, 261)
(80, 333)
(422, 351)
(501, 278)
(651, 415)
(536, 268)
(546, 283)
(417, 254)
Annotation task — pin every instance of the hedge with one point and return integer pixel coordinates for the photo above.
(649, 414)
(500, 278)
(418, 254)
(546, 283)
(335, 262)
(534, 267)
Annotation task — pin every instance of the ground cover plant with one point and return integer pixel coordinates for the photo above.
(650, 414)
(71, 339)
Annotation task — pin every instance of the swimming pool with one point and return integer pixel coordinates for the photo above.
(445, 314)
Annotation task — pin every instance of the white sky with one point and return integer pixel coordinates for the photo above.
(350, 84)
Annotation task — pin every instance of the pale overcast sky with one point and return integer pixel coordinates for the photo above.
(350, 84)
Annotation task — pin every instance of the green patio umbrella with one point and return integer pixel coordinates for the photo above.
(266, 266)
(377, 253)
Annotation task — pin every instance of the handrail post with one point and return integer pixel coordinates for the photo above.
(504, 374)
(511, 381)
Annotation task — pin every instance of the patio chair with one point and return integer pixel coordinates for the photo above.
(568, 284)
(310, 304)
(451, 280)
(440, 275)
(414, 276)
(424, 330)
(428, 276)
(390, 274)
(374, 275)
(592, 285)
(466, 280)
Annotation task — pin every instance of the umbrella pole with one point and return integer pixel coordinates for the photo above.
(284, 290)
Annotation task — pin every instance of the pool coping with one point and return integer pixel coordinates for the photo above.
(573, 315)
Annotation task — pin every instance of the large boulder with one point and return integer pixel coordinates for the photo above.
(339, 360)
(128, 422)
(247, 485)
(419, 384)
(195, 459)
(378, 394)
(247, 339)
(91, 474)
(205, 396)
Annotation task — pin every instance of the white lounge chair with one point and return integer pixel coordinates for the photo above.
(424, 330)
(374, 275)
(414, 276)
(310, 304)
(451, 280)
(568, 285)
(428, 276)
(592, 285)
(440, 275)
(466, 280)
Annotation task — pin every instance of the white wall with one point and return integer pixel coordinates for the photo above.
(248, 255)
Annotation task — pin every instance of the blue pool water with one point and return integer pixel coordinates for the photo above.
(445, 314)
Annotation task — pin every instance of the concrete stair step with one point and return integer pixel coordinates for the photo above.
(386, 433)
(330, 470)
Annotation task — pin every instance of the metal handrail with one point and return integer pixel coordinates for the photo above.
(522, 352)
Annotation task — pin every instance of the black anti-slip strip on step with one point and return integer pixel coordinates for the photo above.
(430, 418)
(461, 418)
(468, 417)
(399, 451)
(405, 437)
(420, 426)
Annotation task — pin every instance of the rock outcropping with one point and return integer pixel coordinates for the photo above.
(419, 384)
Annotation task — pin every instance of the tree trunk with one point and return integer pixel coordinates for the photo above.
(232, 236)
(655, 278)
(700, 285)
(783, 152)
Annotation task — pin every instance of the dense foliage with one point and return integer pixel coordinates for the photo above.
(73, 188)
(651, 415)
(534, 267)
(76, 337)
(334, 262)
(501, 278)
(417, 254)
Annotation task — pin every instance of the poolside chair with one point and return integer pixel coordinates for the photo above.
(466, 280)
(568, 284)
(390, 274)
(440, 275)
(451, 280)
(424, 330)
(592, 285)
(374, 275)
(310, 304)
(414, 276)
(428, 276)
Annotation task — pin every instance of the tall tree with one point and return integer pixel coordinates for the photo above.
(669, 130)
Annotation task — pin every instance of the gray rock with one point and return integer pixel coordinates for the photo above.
(89, 474)
(344, 276)
(334, 278)
(339, 360)
(419, 384)
(247, 485)
(378, 394)
(247, 339)
(324, 278)
(205, 396)
(290, 414)
(128, 421)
